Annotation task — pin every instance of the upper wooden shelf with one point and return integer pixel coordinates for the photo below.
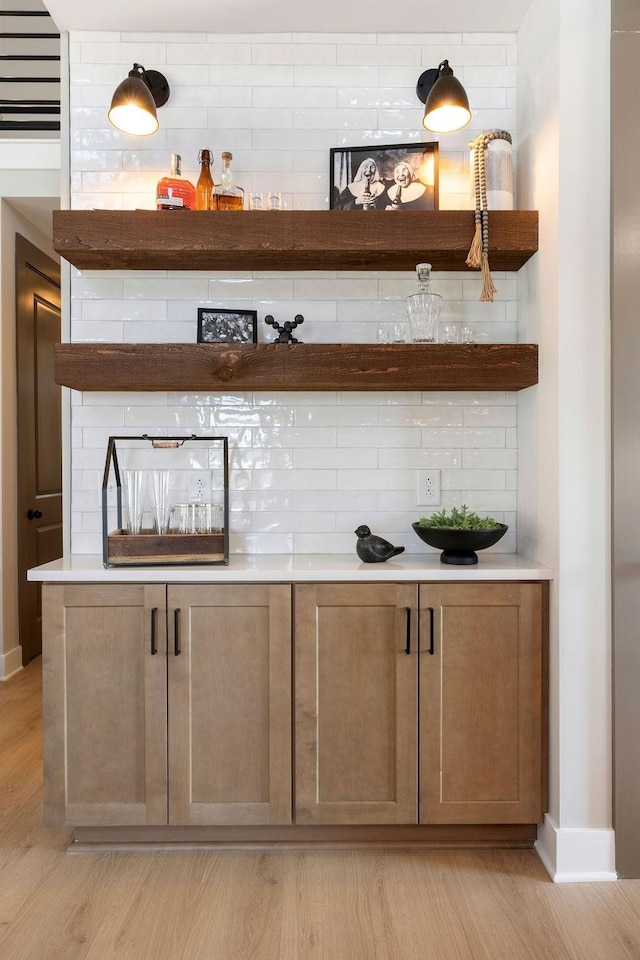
(288, 240)
(219, 367)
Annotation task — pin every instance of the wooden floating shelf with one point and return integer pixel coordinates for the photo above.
(288, 240)
(216, 368)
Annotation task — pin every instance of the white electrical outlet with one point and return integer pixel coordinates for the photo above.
(428, 488)
(199, 485)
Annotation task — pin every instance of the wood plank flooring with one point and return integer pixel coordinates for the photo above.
(280, 905)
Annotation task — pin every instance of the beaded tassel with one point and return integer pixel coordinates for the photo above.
(478, 256)
(474, 257)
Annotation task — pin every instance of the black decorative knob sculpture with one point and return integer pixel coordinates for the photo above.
(284, 330)
(372, 549)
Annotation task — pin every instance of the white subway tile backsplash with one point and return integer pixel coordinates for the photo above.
(379, 437)
(311, 119)
(317, 97)
(98, 331)
(323, 543)
(302, 53)
(290, 522)
(218, 53)
(490, 460)
(476, 480)
(333, 458)
(432, 416)
(338, 76)
(420, 459)
(306, 468)
(295, 480)
(338, 416)
(122, 51)
(351, 54)
(369, 97)
(490, 416)
(319, 500)
(256, 501)
(466, 55)
(463, 437)
(295, 436)
(255, 75)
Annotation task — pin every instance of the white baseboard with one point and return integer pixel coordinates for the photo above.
(10, 663)
(576, 854)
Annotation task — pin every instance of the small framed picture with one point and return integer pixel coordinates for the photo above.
(397, 176)
(227, 326)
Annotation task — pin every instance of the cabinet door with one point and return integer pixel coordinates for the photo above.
(481, 703)
(105, 704)
(230, 704)
(356, 703)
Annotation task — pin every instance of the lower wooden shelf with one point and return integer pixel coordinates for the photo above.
(220, 367)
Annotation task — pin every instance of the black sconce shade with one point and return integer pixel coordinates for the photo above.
(133, 106)
(445, 99)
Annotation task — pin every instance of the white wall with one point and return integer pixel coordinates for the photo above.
(564, 438)
(27, 170)
(306, 468)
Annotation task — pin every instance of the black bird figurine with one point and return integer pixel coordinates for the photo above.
(372, 549)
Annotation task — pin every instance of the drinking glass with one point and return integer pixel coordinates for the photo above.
(449, 333)
(274, 201)
(393, 331)
(161, 500)
(133, 490)
(256, 201)
(467, 334)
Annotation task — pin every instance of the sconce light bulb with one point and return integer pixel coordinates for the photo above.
(446, 119)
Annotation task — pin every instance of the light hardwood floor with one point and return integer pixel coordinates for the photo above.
(280, 905)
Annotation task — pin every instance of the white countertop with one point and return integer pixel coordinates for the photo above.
(295, 568)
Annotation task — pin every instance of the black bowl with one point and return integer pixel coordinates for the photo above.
(459, 546)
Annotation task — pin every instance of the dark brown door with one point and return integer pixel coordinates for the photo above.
(39, 431)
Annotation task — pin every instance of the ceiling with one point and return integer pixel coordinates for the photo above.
(278, 16)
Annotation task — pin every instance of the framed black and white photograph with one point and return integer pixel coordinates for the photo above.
(397, 176)
(227, 326)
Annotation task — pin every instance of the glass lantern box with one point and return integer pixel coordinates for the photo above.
(165, 500)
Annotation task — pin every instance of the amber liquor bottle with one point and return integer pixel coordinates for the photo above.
(205, 197)
(175, 192)
(228, 195)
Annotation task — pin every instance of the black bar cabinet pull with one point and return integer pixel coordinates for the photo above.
(154, 645)
(176, 632)
(432, 639)
(407, 649)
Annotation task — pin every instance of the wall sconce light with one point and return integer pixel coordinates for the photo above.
(133, 106)
(446, 105)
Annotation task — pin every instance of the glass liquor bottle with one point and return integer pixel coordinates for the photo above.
(228, 195)
(423, 308)
(175, 192)
(205, 198)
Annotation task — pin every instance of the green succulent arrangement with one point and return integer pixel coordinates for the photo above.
(459, 520)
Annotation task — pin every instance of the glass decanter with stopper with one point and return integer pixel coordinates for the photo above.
(423, 308)
(228, 196)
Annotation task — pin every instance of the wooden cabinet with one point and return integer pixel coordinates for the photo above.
(356, 703)
(473, 675)
(219, 696)
(481, 703)
(171, 705)
(230, 704)
(105, 704)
